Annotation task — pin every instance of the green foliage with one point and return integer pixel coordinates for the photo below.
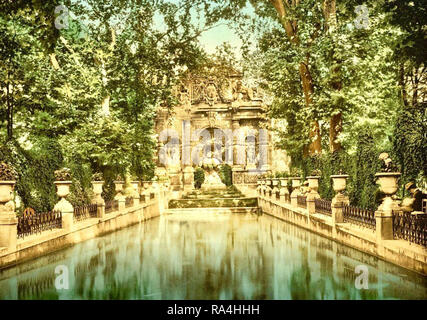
(199, 177)
(363, 190)
(226, 174)
(35, 168)
(410, 144)
(81, 192)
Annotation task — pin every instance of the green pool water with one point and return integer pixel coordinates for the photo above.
(209, 256)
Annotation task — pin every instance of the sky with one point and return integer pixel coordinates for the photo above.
(218, 35)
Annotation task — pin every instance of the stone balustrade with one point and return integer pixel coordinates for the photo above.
(144, 200)
(337, 220)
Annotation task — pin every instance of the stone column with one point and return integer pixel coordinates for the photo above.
(339, 183)
(97, 190)
(313, 184)
(384, 214)
(8, 220)
(296, 181)
(63, 205)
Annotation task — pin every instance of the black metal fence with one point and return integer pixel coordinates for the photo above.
(111, 205)
(323, 206)
(410, 227)
(128, 202)
(302, 201)
(85, 212)
(31, 222)
(363, 217)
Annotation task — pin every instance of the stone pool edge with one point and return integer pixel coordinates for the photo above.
(399, 252)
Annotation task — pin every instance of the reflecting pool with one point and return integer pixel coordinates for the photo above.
(209, 256)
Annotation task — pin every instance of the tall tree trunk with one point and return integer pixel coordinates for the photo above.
(335, 123)
(9, 112)
(304, 70)
(402, 84)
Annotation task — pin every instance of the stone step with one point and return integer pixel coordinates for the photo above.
(213, 203)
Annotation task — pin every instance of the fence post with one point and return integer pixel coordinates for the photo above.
(8, 220)
(295, 191)
(337, 207)
(98, 200)
(63, 205)
(384, 214)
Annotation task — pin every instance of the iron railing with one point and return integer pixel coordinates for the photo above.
(410, 227)
(323, 206)
(86, 212)
(128, 202)
(111, 205)
(31, 222)
(302, 201)
(359, 216)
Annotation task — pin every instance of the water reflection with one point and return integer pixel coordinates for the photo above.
(210, 256)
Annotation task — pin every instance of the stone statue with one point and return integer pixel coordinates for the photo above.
(212, 179)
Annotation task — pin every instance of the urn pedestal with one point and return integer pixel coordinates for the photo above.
(135, 193)
(8, 220)
(63, 205)
(296, 183)
(339, 183)
(313, 185)
(388, 182)
(97, 191)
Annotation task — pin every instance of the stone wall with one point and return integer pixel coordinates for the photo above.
(403, 253)
(46, 242)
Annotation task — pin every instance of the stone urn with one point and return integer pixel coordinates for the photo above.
(118, 184)
(63, 188)
(339, 182)
(388, 182)
(6, 191)
(283, 182)
(97, 191)
(275, 182)
(6, 196)
(296, 183)
(313, 183)
(97, 187)
(135, 186)
(118, 187)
